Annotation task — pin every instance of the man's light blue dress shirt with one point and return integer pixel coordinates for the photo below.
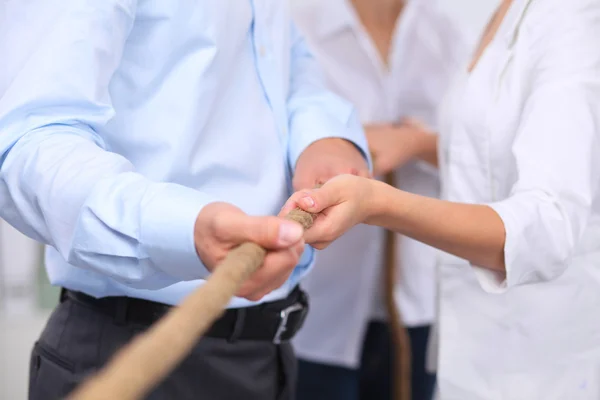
(121, 119)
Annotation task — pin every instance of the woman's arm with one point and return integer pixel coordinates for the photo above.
(473, 232)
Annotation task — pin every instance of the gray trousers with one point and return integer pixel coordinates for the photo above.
(78, 340)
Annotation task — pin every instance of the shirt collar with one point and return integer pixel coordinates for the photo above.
(336, 16)
(339, 15)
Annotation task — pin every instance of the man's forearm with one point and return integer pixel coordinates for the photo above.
(60, 188)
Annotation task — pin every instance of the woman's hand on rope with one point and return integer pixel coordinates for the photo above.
(221, 227)
(327, 158)
(340, 203)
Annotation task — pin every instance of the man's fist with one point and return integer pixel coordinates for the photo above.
(221, 227)
(325, 159)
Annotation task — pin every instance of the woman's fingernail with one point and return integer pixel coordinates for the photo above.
(290, 233)
(307, 202)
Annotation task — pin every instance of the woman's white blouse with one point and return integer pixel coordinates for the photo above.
(521, 133)
(524, 138)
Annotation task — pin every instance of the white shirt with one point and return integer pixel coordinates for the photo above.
(521, 133)
(348, 274)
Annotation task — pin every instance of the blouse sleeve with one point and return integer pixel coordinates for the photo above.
(557, 146)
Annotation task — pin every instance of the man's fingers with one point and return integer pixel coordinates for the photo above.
(380, 170)
(321, 245)
(268, 232)
(320, 234)
(274, 272)
(364, 173)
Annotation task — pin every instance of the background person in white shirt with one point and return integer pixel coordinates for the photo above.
(393, 60)
(519, 219)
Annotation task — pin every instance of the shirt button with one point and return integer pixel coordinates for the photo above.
(262, 51)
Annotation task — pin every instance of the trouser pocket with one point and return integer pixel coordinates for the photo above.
(51, 376)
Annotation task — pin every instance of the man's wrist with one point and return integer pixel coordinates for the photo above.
(340, 141)
(167, 232)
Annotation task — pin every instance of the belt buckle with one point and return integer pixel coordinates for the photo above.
(284, 316)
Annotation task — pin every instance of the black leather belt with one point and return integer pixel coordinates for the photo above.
(275, 322)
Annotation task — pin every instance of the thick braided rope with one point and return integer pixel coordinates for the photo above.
(151, 356)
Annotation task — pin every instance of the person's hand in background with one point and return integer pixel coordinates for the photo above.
(220, 227)
(392, 146)
(327, 158)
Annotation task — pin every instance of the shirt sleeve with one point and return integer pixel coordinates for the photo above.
(314, 112)
(59, 184)
(556, 150)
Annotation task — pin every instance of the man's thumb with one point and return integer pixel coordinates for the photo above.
(272, 232)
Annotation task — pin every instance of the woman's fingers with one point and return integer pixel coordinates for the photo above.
(318, 200)
(292, 202)
(337, 205)
(335, 191)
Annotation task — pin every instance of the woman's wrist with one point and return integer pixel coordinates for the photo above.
(378, 202)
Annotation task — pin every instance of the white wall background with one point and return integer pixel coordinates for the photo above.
(21, 323)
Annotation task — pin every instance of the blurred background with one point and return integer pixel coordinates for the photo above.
(26, 297)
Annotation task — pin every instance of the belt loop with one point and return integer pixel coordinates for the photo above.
(121, 311)
(238, 326)
(63, 295)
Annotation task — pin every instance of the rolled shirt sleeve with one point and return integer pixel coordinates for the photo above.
(557, 150)
(59, 184)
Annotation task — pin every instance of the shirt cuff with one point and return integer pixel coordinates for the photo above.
(311, 127)
(496, 281)
(500, 282)
(491, 281)
(167, 230)
(305, 265)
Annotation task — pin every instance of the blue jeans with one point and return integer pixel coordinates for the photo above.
(373, 380)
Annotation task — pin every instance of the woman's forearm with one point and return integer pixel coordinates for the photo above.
(473, 232)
